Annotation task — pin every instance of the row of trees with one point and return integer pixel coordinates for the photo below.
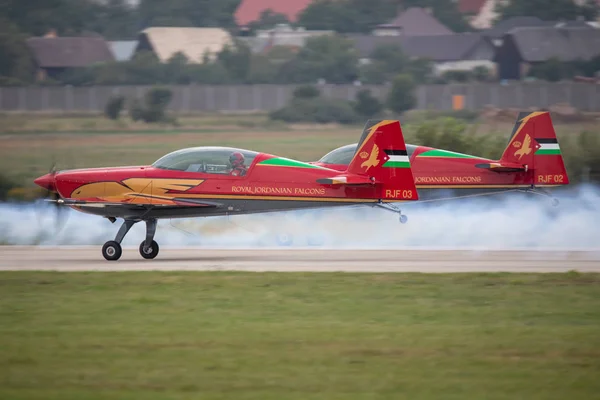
(555, 70)
(307, 104)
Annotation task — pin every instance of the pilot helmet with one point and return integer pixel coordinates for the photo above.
(236, 159)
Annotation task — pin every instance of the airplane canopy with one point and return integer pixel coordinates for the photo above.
(203, 159)
(343, 155)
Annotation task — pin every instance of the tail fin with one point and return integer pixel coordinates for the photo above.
(381, 156)
(533, 145)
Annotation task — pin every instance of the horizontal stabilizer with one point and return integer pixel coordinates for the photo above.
(503, 167)
(346, 180)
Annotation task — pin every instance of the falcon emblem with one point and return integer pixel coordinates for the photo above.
(525, 148)
(373, 159)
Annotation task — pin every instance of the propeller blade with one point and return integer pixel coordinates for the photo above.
(59, 213)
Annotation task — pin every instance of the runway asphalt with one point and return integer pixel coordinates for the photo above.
(24, 258)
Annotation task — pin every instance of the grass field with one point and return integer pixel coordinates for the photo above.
(299, 336)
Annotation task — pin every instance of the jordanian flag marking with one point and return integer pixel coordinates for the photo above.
(396, 159)
(547, 147)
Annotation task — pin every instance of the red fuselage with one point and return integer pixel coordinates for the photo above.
(178, 187)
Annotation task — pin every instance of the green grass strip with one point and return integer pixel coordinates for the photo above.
(227, 335)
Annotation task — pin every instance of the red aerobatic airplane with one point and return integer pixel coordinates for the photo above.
(531, 161)
(210, 181)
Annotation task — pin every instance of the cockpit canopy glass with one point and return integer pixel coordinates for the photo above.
(208, 160)
(343, 155)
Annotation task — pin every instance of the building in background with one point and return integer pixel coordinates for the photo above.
(194, 43)
(414, 21)
(523, 48)
(53, 55)
(454, 52)
(281, 35)
(250, 10)
(496, 33)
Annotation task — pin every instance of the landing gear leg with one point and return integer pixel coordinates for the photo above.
(149, 248)
(112, 249)
(390, 207)
(544, 192)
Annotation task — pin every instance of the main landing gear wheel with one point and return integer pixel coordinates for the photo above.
(150, 252)
(112, 250)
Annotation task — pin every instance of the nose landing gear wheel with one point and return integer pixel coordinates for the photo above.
(151, 252)
(112, 250)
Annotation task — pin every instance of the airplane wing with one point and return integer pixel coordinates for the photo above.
(177, 202)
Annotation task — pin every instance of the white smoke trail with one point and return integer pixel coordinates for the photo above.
(515, 221)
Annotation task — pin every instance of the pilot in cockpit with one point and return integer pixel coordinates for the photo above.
(236, 160)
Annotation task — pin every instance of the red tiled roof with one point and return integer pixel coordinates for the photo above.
(470, 6)
(249, 10)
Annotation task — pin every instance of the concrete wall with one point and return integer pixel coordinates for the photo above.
(246, 98)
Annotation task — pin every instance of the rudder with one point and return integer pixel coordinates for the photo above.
(534, 145)
(381, 155)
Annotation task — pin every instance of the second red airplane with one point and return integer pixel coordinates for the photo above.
(531, 161)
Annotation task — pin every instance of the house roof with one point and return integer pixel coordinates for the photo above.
(470, 6)
(452, 47)
(567, 44)
(249, 10)
(123, 50)
(69, 52)
(417, 21)
(192, 42)
(503, 27)
(574, 24)
(443, 47)
(365, 44)
(281, 35)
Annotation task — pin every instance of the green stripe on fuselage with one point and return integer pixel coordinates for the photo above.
(445, 153)
(286, 162)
